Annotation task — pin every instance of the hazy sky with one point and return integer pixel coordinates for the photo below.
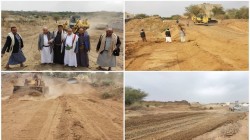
(74, 6)
(168, 8)
(203, 87)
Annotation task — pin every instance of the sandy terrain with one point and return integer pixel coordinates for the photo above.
(179, 124)
(220, 47)
(69, 111)
(33, 56)
(232, 131)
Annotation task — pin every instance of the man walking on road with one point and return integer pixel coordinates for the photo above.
(168, 35)
(182, 35)
(143, 35)
(14, 45)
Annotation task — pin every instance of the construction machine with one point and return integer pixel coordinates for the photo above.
(34, 86)
(203, 20)
(75, 22)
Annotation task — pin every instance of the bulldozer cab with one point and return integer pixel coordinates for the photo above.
(73, 20)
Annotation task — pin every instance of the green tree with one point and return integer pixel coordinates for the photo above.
(56, 18)
(141, 16)
(218, 11)
(175, 17)
(243, 13)
(231, 13)
(133, 95)
(193, 10)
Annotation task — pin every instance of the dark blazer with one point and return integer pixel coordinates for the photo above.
(6, 47)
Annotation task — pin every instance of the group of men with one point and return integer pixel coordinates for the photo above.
(167, 34)
(65, 47)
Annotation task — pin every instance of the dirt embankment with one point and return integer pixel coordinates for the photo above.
(30, 32)
(78, 113)
(223, 46)
(176, 125)
(181, 120)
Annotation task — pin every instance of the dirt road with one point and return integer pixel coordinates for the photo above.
(220, 47)
(76, 115)
(177, 125)
(33, 56)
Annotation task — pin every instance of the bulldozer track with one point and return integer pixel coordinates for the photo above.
(175, 126)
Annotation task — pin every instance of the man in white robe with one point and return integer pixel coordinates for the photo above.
(45, 46)
(70, 44)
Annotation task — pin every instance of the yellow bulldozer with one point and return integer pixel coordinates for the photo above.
(34, 86)
(203, 20)
(75, 22)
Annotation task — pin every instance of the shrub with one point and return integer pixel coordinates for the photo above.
(106, 83)
(106, 95)
(133, 95)
(141, 16)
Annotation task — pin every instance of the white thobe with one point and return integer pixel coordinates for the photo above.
(46, 52)
(70, 55)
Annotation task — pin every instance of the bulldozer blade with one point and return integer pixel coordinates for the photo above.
(212, 22)
(32, 90)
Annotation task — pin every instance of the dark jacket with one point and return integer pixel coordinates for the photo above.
(6, 47)
(167, 33)
(118, 44)
(143, 34)
(86, 41)
(41, 41)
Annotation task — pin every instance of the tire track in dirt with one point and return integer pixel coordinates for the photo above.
(36, 124)
(100, 117)
(175, 126)
(88, 118)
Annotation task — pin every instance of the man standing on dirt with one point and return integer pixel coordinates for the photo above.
(168, 35)
(70, 45)
(84, 47)
(58, 37)
(143, 35)
(182, 34)
(45, 47)
(108, 43)
(14, 45)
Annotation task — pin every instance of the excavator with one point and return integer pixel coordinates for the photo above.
(203, 19)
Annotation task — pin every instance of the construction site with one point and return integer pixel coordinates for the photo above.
(173, 108)
(212, 43)
(30, 24)
(179, 120)
(62, 106)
